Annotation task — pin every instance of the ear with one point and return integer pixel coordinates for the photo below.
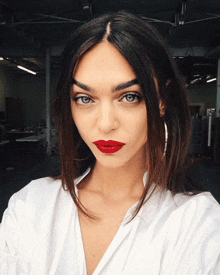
(161, 104)
(168, 82)
(162, 108)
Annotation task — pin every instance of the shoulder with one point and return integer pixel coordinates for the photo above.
(183, 211)
(186, 226)
(195, 227)
(201, 203)
(201, 206)
(46, 184)
(36, 215)
(34, 199)
(41, 195)
(198, 215)
(37, 189)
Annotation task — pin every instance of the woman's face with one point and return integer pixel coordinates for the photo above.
(107, 105)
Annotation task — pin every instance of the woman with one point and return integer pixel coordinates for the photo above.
(124, 127)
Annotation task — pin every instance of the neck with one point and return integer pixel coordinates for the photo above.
(121, 182)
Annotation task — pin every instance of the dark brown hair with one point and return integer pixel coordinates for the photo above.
(146, 52)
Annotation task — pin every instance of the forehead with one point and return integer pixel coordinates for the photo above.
(103, 63)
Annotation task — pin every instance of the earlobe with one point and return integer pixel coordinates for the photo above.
(161, 104)
(168, 82)
(162, 108)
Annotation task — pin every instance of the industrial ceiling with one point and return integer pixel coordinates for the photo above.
(29, 27)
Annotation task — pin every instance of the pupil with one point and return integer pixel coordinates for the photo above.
(85, 100)
(130, 97)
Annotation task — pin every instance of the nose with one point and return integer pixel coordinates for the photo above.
(107, 118)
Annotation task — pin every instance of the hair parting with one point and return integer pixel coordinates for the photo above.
(108, 29)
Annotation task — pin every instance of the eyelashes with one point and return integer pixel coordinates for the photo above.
(83, 99)
(129, 98)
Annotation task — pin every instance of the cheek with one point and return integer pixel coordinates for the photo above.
(137, 123)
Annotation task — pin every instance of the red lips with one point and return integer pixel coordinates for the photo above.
(110, 146)
(108, 143)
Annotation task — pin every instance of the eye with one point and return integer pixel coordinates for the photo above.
(82, 99)
(132, 97)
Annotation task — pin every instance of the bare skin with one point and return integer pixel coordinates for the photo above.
(109, 207)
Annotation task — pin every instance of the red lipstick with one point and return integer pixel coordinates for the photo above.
(109, 147)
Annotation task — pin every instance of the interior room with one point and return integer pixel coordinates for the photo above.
(32, 37)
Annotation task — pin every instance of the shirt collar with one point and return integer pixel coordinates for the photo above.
(80, 178)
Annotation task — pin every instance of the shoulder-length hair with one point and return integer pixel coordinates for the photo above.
(146, 52)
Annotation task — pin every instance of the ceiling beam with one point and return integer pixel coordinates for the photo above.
(192, 51)
(25, 51)
(14, 51)
(17, 51)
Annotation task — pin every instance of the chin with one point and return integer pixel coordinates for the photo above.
(111, 163)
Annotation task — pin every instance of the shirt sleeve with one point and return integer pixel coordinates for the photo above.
(217, 268)
(11, 260)
(26, 229)
(194, 234)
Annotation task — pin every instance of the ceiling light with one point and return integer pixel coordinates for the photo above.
(86, 6)
(194, 81)
(1, 58)
(210, 80)
(24, 69)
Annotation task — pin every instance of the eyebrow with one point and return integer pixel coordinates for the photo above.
(80, 85)
(119, 87)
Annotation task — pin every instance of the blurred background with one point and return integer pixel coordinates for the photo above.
(32, 36)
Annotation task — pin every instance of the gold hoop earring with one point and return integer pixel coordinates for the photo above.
(166, 138)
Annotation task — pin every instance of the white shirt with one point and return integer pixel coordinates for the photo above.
(175, 235)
